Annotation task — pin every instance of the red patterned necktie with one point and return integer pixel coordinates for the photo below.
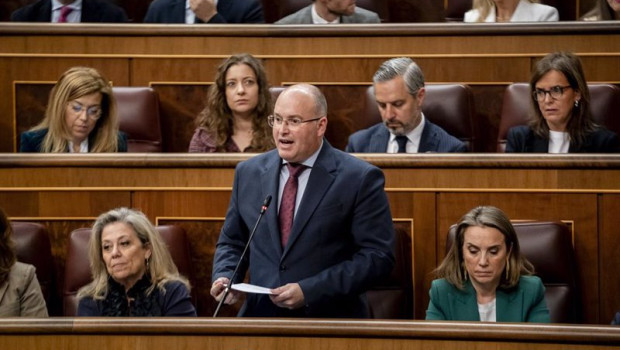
(287, 205)
(64, 12)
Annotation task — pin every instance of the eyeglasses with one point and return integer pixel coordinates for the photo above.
(293, 123)
(93, 112)
(555, 93)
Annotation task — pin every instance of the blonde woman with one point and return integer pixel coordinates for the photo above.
(80, 117)
(511, 11)
(133, 272)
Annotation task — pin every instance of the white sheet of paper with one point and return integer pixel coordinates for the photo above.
(250, 288)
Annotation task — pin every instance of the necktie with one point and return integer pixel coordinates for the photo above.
(287, 206)
(64, 12)
(402, 143)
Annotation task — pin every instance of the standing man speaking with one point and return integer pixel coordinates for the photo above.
(329, 238)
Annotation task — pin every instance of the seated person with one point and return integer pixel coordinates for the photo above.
(399, 91)
(20, 293)
(238, 104)
(511, 11)
(331, 12)
(484, 277)
(205, 11)
(70, 11)
(133, 272)
(604, 10)
(562, 120)
(80, 117)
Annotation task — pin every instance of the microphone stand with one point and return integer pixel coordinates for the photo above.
(245, 249)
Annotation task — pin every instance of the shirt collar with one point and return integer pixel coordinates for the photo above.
(414, 135)
(316, 19)
(76, 5)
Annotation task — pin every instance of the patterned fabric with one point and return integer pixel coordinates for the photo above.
(117, 301)
(287, 207)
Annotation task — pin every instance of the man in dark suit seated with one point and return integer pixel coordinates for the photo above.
(331, 12)
(70, 11)
(205, 11)
(399, 92)
(318, 260)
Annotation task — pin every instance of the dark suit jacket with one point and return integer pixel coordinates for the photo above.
(525, 303)
(228, 11)
(93, 11)
(31, 141)
(341, 242)
(375, 140)
(521, 139)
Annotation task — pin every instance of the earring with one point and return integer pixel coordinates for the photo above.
(507, 269)
(147, 262)
(576, 103)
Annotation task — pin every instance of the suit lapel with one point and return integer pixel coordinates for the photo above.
(428, 140)
(508, 307)
(270, 179)
(465, 306)
(322, 176)
(177, 11)
(379, 140)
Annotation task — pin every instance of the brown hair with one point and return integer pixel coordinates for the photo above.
(7, 252)
(217, 118)
(580, 123)
(452, 267)
(75, 83)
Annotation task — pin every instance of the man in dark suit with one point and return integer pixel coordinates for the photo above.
(205, 11)
(399, 92)
(320, 261)
(90, 11)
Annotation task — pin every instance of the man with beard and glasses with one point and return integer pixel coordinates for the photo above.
(399, 92)
(331, 12)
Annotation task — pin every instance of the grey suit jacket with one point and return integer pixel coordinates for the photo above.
(375, 140)
(21, 294)
(304, 16)
(341, 242)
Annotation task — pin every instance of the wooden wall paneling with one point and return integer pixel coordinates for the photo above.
(578, 208)
(609, 246)
(179, 106)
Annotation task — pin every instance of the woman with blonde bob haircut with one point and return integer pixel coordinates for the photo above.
(133, 272)
(484, 277)
(238, 104)
(80, 117)
(510, 11)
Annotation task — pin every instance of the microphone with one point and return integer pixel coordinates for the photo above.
(263, 209)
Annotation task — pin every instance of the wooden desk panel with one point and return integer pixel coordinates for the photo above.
(275, 334)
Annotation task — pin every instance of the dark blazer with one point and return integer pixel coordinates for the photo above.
(525, 303)
(93, 11)
(521, 139)
(616, 320)
(341, 242)
(174, 302)
(375, 140)
(304, 16)
(31, 141)
(228, 11)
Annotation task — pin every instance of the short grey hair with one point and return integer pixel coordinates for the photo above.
(404, 67)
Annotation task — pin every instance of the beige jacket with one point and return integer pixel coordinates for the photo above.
(21, 294)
